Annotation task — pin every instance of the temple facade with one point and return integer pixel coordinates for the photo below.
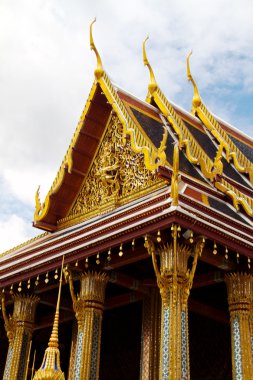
(152, 212)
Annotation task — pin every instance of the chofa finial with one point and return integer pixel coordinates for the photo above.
(99, 70)
(152, 85)
(196, 100)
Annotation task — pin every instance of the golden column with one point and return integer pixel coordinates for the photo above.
(174, 281)
(19, 329)
(88, 307)
(240, 298)
(150, 347)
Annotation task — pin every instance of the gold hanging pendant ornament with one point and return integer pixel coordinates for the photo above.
(191, 237)
(226, 253)
(76, 263)
(215, 249)
(37, 280)
(56, 274)
(98, 259)
(28, 284)
(11, 289)
(20, 287)
(109, 255)
(249, 262)
(46, 279)
(86, 263)
(158, 238)
(133, 244)
(237, 257)
(121, 250)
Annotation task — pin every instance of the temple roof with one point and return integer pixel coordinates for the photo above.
(201, 171)
(211, 152)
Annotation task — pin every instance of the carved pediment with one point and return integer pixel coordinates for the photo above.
(116, 176)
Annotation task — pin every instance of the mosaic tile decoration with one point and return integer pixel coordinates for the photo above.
(184, 363)
(237, 348)
(79, 351)
(8, 364)
(165, 345)
(95, 348)
(23, 357)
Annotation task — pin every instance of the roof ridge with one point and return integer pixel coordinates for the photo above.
(241, 162)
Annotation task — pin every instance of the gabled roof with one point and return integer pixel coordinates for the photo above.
(211, 152)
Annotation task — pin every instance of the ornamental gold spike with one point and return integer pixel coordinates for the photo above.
(196, 100)
(38, 205)
(99, 70)
(153, 84)
(50, 368)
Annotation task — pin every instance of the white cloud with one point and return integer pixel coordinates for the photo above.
(14, 231)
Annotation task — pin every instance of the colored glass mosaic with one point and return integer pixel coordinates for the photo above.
(165, 340)
(79, 351)
(237, 349)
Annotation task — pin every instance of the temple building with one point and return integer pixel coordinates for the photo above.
(152, 212)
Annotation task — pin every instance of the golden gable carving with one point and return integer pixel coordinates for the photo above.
(117, 175)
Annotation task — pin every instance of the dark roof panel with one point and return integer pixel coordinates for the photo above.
(232, 173)
(225, 209)
(204, 141)
(244, 148)
(153, 128)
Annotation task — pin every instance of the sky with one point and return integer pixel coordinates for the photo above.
(47, 70)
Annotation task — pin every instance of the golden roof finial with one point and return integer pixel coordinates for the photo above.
(99, 70)
(50, 368)
(196, 100)
(152, 85)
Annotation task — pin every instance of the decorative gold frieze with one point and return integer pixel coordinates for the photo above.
(116, 174)
(240, 299)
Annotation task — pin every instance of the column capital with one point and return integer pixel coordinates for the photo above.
(167, 258)
(92, 286)
(240, 290)
(24, 307)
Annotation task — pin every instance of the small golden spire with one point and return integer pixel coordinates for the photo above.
(50, 368)
(99, 70)
(152, 85)
(196, 100)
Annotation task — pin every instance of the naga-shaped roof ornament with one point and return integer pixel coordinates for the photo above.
(50, 368)
(196, 100)
(99, 70)
(153, 84)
